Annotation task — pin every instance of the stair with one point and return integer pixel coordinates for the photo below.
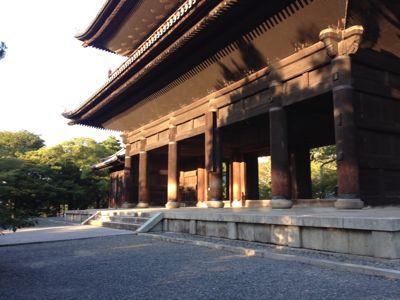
(122, 220)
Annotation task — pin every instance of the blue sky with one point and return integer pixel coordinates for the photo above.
(46, 70)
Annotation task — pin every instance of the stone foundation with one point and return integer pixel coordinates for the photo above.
(312, 234)
(369, 232)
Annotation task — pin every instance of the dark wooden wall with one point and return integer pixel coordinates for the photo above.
(377, 82)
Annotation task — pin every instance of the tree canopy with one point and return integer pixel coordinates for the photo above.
(37, 180)
(13, 144)
(3, 49)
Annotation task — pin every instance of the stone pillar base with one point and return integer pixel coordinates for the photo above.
(201, 204)
(128, 205)
(215, 204)
(342, 203)
(281, 203)
(236, 203)
(172, 204)
(142, 205)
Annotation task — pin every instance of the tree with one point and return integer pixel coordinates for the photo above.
(13, 144)
(323, 171)
(39, 181)
(73, 159)
(3, 49)
(111, 144)
(264, 175)
(23, 185)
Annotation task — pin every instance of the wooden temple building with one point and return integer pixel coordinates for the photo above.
(208, 86)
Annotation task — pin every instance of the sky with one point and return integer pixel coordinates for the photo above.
(46, 70)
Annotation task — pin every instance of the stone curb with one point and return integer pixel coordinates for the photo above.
(339, 266)
(150, 223)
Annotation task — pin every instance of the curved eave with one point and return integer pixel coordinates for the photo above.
(114, 160)
(94, 27)
(112, 28)
(78, 116)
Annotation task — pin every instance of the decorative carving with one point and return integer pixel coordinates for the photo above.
(351, 40)
(330, 37)
(341, 42)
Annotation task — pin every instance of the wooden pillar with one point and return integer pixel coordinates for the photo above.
(213, 161)
(300, 169)
(230, 192)
(127, 197)
(236, 184)
(345, 135)
(143, 182)
(172, 201)
(340, 44)
(112, 199)
(252, 177)
(280, 180)
(200, 188)
(243, 183)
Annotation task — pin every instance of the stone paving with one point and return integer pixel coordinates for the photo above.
(390, 264)
(51, 231)
(138, 267)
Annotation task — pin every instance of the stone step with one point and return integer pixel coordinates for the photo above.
(130, 214)
(128, 219)
(95, 222)
(122, 225)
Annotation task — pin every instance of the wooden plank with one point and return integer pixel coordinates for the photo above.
(187, 126)
(199, 121)
(318, 76)
(256, 101)
(191, 133)
(377, 60)
(156, 145)
(374, 88)
(163, 136)
(321, 89)
(152, 139)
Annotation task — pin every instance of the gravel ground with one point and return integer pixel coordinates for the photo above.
(138, 267)
(347, 258)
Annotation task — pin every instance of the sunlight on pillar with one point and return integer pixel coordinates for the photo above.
(236, 203)
(236, 191)
(172, 188)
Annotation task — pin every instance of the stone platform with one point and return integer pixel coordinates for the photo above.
(370, 231)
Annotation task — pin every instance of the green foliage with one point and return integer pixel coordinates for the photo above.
(111, 144)
(3, 49)
(22, 188)
(40, 181)
(264, 175)
(13, 144)
(323, 171)
(12, 219)
(73, 160)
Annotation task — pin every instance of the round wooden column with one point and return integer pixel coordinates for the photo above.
(143, 182)
(127, 182)
(213, 162)
(172, 175)
(345, 135)
(280, 175)
(236, 183)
